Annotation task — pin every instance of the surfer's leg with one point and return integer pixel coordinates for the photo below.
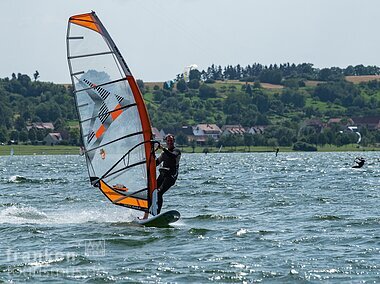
(159, 202)
(160, 179)
(146, 215)
(166, 184)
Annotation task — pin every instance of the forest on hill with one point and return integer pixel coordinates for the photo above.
(209, 96)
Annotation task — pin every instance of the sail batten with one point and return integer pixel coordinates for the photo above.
(113, 141)
(114, 123)
(110, 112)
(90, 54)
(101, 85)
(123, 169)
(76, 37)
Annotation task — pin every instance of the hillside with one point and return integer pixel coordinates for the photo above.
(283, 109)
(315, 99)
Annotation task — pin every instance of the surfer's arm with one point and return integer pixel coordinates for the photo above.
(159, 160)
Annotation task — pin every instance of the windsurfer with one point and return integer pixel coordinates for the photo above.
(359, 162)
(169, 159)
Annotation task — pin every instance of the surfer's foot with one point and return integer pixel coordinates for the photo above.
(146, 215)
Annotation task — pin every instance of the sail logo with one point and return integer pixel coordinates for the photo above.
(95, 248)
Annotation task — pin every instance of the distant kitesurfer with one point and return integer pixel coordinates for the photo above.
(359, 162)
(277, 150)
(169, 159)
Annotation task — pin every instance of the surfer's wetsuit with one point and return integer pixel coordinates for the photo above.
(168, 172)
(360, 163)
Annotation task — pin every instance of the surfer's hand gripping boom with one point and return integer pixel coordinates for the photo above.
(158, 146)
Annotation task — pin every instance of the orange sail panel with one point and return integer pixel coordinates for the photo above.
(120, 199)
(115, 127)
(85, 20)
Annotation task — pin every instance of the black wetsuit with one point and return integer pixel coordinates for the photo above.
(360, 163)
(168, 172)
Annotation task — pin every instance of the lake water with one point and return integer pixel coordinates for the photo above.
(295, 218)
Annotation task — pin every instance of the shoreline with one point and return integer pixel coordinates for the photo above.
(28, 150)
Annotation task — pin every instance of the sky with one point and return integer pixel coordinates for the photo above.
(159, 38)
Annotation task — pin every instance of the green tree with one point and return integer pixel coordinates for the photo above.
(210, 142)
(193, 84)
(322, 139)
(248, 140)
(193, 144)
(272, 142)
(32, 135)
(40, 135)
(14, 135)
(141, 85)
(59, 124)
(271, 76)
(3, 134)
(20, 123)
(23, 136)
(74, 137)
(262, 103)
(181, 86)
(293, 97)
(276, 106)
(181, 139)
(206, 91)
(302, 146)
(195, 74)
(284, 135)
(42, 111)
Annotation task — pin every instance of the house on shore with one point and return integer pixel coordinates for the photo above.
(203, 132)
(208, 130)
(41, 126)
(340, 121)
(259, 129)
(158, 135)
(233, 130)
(369, 122)
(53, 138)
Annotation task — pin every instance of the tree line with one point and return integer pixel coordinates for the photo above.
(278, 74)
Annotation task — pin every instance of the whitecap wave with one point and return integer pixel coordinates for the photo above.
(26, 214)
(106, 215)
(20, 214)
(17, 179)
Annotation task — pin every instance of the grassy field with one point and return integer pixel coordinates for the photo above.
(20, 150)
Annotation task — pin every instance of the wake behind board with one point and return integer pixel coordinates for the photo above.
(161, 220)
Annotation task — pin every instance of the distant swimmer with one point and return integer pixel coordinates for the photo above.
(277, 150)
(359, 162)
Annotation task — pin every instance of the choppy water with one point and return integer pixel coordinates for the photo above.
(297, 218)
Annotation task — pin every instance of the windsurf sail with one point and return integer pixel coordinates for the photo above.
(114, 122)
